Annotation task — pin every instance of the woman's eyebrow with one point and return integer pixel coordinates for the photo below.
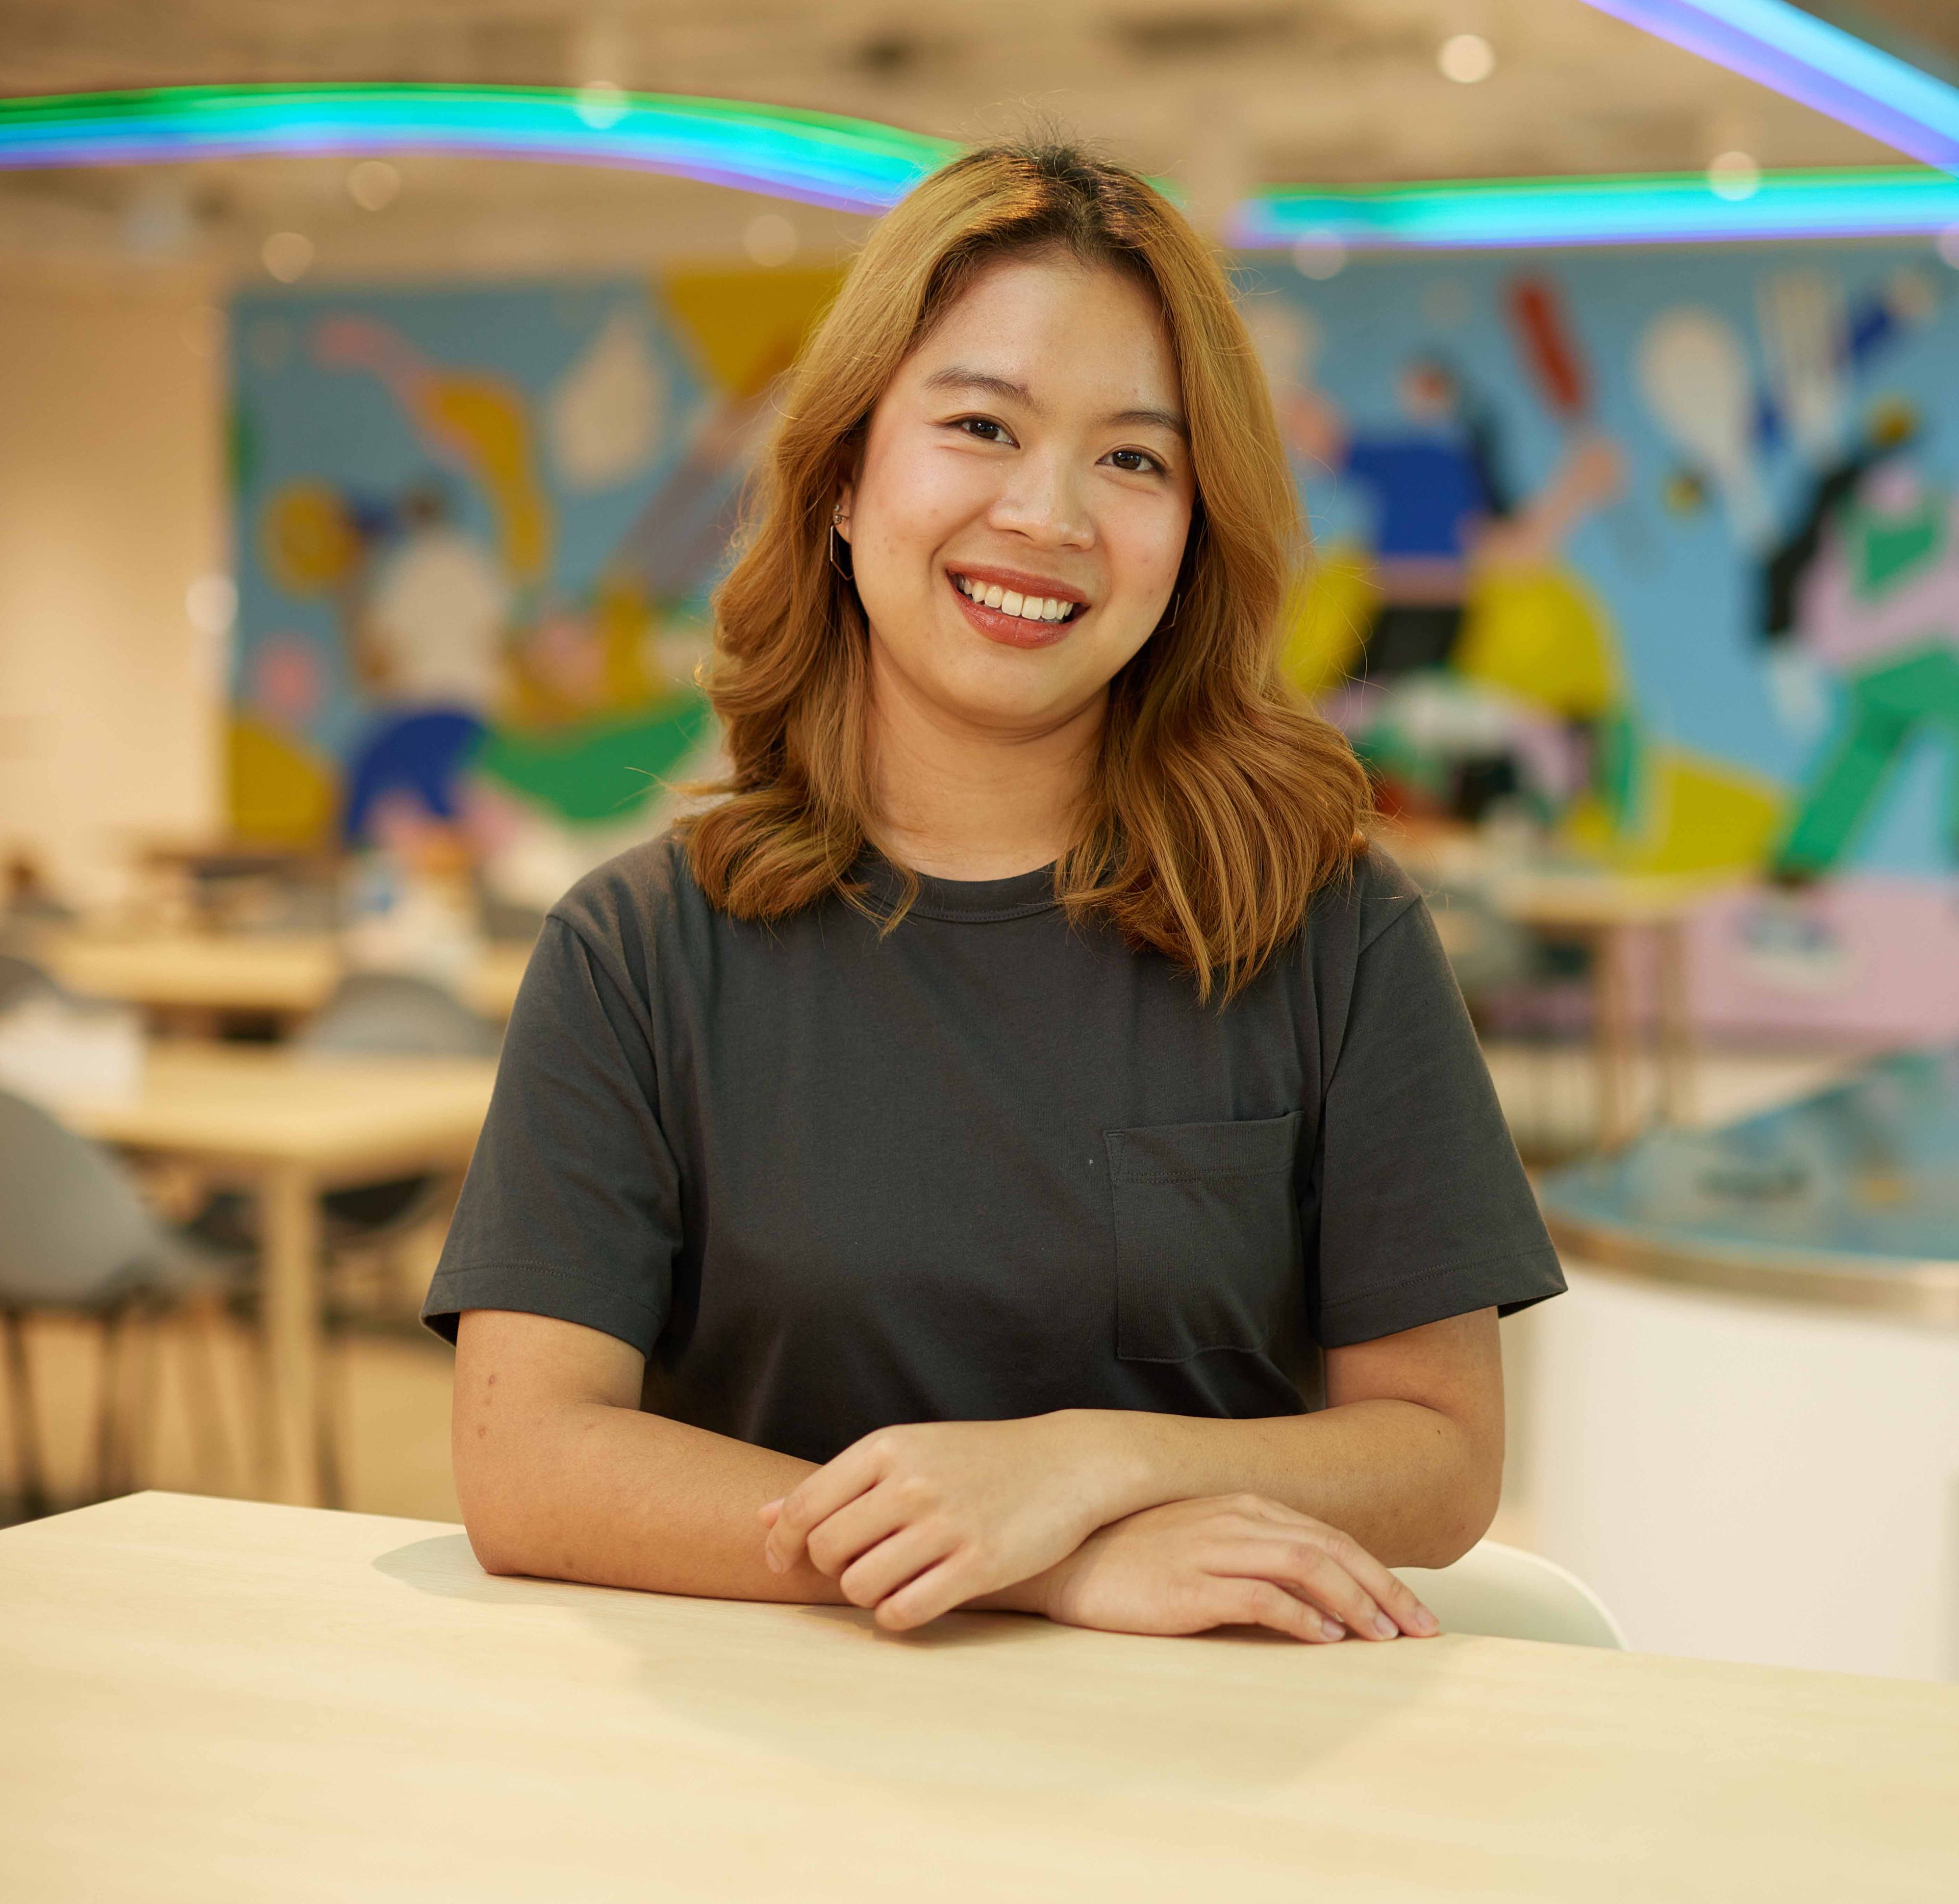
(957, 377)
(1162, 419)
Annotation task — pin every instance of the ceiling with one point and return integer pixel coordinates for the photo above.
(1223, 94)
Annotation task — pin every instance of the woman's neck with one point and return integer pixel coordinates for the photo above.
(960, 800)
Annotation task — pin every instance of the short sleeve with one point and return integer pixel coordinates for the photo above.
(571, 1207)
(1424, 1209)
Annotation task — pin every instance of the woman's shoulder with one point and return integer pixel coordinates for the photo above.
(633, 905)
(1365, 898)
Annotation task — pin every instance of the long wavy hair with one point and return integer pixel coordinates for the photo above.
(1217, 803)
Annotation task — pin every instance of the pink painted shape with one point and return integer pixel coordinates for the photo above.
(1899, 972)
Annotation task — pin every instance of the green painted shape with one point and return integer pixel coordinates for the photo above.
(1886, 710)
(600, 770)
(1890, 549)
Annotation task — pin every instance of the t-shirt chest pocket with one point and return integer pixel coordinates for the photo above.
(1207, 1236)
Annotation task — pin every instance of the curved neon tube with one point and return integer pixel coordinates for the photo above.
(851, 164)
(856, 166)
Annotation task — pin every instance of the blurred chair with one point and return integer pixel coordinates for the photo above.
(396, 1014)
(1507, 1593)
(76, 1240)
(392, 1014)
(21, 980)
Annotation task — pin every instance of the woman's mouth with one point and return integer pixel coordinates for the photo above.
(1019, 618)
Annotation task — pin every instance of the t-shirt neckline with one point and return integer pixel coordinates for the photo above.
(969, 902)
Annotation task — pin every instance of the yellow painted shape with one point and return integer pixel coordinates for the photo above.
(486, 423)
(1324, 619)
(309, 543)
(1541, 635)
(745, 327)
(282, 795)
(1701, 815)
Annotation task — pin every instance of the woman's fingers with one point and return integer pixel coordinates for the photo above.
(853, 1530)
(1258, 1603)
(909, 1579)
(1397, 1602)
(1385, 1598)
(815, 1498)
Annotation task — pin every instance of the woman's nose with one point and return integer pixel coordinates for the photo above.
(1043, 503)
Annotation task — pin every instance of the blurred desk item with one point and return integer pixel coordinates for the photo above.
(1610, 912)
(198, 975)
(209, 885)
(293, 1126)
(389, 1721)
(1747, 1412)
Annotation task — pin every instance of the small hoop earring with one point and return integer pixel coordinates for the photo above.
(842, 564)
(1170, 620)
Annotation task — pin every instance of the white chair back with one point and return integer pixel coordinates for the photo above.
(1510, 1594)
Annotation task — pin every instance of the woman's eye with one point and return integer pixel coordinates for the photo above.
(985, 428)
(1138, 462)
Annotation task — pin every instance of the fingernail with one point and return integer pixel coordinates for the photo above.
(1333, 1628)
(769, 1554)
(1386, 1627)
(1426, 1623)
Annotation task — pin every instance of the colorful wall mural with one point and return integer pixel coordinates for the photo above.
(476, 531)
(1658, 551)
(1661, 550)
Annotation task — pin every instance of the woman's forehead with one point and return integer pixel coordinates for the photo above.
(1047, 327)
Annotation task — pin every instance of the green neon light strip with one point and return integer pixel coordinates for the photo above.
(857, 166)
(849, 163)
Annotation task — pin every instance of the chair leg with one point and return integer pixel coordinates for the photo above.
(32, 1474)
(331, 1438)
(259, 1360)
(109, 1424)
(211, 1446)
(139, 1423)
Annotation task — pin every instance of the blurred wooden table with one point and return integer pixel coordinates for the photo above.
(178, 975)
(210, 1701)
(1611, 913)
(293, 1125)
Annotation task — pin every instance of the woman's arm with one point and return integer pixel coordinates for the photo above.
(562, 1476)
(1406, 1460)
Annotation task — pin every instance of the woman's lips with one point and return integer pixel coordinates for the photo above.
(1010, 631)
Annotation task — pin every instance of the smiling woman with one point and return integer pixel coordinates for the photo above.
(1034, 353)
(1019, 1148)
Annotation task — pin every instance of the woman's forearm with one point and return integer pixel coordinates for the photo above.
(588, 1491)
(1412, 1485)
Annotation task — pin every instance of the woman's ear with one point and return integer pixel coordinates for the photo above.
(840, 516)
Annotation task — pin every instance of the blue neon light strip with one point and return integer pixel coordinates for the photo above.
(1677, 208)
(1810, 61)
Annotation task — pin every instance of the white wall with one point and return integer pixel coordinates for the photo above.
(1742, 1479)
(111, 503)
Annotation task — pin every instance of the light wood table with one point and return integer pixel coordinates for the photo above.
(179, 976)
(293, 1125)
(209, 1701)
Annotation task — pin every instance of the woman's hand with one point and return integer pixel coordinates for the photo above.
(917, 1520)
(1234, 1559)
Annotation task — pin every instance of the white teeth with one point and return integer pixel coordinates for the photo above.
(1027, 608)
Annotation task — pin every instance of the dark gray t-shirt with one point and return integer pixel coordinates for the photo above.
(988, 1165)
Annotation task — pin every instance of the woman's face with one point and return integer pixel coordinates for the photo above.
(1020, 508)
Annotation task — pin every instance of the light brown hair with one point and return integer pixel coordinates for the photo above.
(1218, 803)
